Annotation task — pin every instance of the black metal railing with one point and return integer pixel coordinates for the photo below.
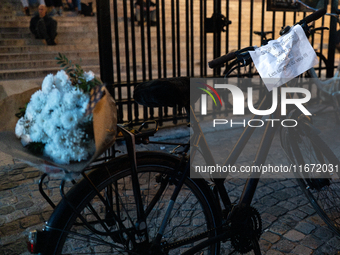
(187, 34)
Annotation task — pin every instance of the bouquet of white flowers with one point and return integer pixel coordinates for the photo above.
(55, 120)
(59, 123)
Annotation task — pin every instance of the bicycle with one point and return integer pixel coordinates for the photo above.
(137, 203)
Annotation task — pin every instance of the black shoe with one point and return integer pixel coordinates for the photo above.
(27, 11)
(51, 42)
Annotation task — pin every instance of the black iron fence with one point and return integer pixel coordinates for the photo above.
(179, 38)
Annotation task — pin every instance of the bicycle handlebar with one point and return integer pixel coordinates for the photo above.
(314, 16)
(224, 59)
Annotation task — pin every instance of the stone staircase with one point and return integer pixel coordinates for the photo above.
(25, 61)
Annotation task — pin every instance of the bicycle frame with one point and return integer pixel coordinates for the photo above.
(260, 157)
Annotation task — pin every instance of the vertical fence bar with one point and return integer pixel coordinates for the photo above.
(192, 38)
(159, 60)
(127, 62)
(187, 37)
(164, 43)
(205, 40)
(119, 78)
(105, 44)
(217, 34)
(134, 61)
(332, 39)
(178, 38)
(202, 19)
(227, 30)
(173, 37)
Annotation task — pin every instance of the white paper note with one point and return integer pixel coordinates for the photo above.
(284, 58)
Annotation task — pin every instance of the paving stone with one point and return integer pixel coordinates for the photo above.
(288, 183)
(268, 201)
(6, 210)
(270, 237)
(29, 221)
(312, 242)
(288, 205)
(281, 195)
(8, 200)
(268, 217)
(302, 250)
(289, 220)
(23, 205)
(328, 250)
(298, 200)
(276, 186)
(335, 243)
(299, 214)
(316, 220)
(10, 228)
(277, 210)
(305, 228)
(279, 228)
(323, 233)
(274, 252)
(264, 245)
(262, 191)
(8, 185)
(284, 245)
(32, 174)
(307, 209)
(294, 235)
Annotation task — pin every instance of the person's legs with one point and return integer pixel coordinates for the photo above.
(138, 14)
(153, 16)
(26, 8)
(44, 34)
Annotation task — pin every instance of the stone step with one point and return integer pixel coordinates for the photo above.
(7, 15)
(60, 40)
(10, 31)
(45, 48)
(65, 34)
(24, 21)
(39, 72)
(11, 65)
(71, 55)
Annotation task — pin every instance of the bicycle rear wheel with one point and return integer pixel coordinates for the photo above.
(193, 212)
(308, 151)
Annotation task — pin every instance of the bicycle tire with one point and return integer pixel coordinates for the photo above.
(195, 205)
(303, 147)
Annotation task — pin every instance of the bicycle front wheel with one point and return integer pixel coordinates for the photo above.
(191, 221)
(318, 176)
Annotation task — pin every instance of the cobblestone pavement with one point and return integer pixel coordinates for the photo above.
(290, 224)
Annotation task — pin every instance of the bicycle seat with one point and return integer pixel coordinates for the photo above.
(164, 92)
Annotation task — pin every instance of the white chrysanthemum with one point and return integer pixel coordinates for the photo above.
(53, 99)
(47, 84)
(89, 76)
(19, 127)
(61, 80)
(36, 133)
(69, 120)
(69, 100)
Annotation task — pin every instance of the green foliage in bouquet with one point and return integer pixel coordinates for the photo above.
(76, 74)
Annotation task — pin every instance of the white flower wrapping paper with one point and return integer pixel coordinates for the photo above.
(53, 117)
